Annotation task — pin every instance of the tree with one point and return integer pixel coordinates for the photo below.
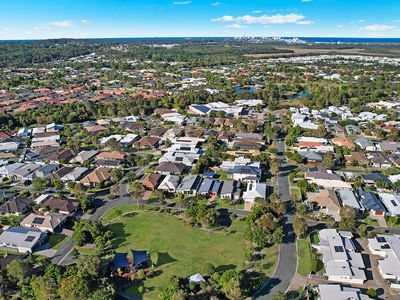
(136, 189)
(328, 161)
(208, 269)
(348, 218)
(117, 174)
(39, 184)
(274, 166)
(300, 227)
(19, 271)
(74, 287)
(141, 275)
(41, 289)
(232, 289)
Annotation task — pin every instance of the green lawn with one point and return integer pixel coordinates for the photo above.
(370, 222)
(222, 175)
(304, 257)
(176, 248)
(56, 240)
(314, 238)
(295, 193)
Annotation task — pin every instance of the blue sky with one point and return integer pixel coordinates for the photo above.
(37, 19)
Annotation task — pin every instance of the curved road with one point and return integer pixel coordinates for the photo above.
(287, 264)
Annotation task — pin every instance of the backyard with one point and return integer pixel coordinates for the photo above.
(176, 248)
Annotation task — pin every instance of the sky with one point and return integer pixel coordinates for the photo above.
(42, 19)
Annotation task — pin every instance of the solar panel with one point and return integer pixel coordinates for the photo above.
(385, 246)
(394, 203)
(381, 239)
(29, 238)
(339, 249)
(38, 221)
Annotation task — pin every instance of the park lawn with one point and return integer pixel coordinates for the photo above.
(304, 257)
(268, 264)
(56, 240)
(120, 210)
(175, 247)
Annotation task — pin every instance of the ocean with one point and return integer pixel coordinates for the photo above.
(336, 40)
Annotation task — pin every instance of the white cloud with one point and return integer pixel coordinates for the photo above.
(307, 22)
(36, 28)
(182, 2)
(223, 19)
(5, 29)
(216, 4)
(64, 23)
(257, 11)
(360, 21)
(236, 26)
(85, 22)
(265, 19)
(377, 27)
(306, 1)
(339, 26)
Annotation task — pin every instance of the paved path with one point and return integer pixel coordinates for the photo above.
(287, 264)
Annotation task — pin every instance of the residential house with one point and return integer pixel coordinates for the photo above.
(169, 184)
(388, 248)
(340, 292)
(391, 202)
(365, 144)
(48, 222)
(230, 190)
(63, 206)
(342, 262)
(75, 174)
(22, 240)
(24, 172)
(344, 142)
(348, 197)
(167, 168)
(371, 178)
(46, 171)
(147, 142)
(189, 185)
(16, 206)
(327, 202)
(326, 179)
(97, 176)
(372, 203)
(62, 157)
(254, 191)
(151, 181)
(312, 157)
(360, 158)
(83, 156)
(379, 160)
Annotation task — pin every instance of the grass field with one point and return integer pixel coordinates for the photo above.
(304, 257)
(178, 249)
(370, 222)
(56, 240)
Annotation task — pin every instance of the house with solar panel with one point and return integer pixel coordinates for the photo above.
(128, 264)
(341, 260)
(22, 240)
(47, 222)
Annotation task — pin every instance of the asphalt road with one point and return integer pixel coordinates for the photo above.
(287, 264)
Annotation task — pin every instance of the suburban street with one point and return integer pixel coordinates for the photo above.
(286, 268)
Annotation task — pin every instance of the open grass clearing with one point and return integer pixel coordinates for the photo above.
(178, 249)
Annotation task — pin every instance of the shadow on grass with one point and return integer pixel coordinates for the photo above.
(223, 268)
(163, 258)
(119, 234)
